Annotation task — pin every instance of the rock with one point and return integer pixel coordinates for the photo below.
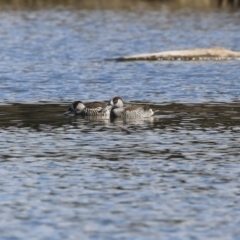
(216, 53)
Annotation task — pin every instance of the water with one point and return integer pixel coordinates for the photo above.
(173, 176)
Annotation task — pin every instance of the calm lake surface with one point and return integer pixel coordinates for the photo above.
(173, 176)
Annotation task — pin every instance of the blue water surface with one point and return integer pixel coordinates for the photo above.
(72, 178)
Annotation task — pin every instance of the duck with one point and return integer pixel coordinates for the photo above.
(90, 109)
(116, 108)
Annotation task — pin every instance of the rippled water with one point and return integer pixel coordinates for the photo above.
(173, 176)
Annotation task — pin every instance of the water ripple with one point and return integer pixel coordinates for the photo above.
(174, 176)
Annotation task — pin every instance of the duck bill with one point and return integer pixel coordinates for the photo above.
(68, 111)
(107, 108)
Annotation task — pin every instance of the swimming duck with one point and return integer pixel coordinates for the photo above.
(90, 109)
(135, 111)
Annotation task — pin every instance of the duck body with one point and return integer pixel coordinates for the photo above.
(90, 109)
(135, 111)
